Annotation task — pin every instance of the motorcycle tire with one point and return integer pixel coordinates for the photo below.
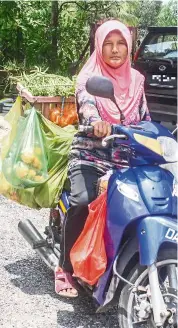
(123, 303)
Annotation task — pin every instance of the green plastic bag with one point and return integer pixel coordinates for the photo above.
(57, 142)
(22, 196)
(25, 165)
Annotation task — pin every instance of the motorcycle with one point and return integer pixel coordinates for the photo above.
(141, 225)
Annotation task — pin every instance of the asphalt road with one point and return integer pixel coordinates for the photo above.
(27, 297)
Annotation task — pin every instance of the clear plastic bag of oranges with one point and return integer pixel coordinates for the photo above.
(25, 165)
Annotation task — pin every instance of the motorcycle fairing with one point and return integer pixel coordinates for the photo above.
(156, 187)
(141, 155)
(124, 212)
(152, 232)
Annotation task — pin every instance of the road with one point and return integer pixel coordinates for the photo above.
(27, 297)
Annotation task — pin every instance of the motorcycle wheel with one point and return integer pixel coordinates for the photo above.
(128, 301)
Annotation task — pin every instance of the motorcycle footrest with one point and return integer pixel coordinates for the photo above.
(40, 243)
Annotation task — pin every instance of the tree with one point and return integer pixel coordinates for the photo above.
(147, 12)
(54, 32)
(10, 29)
(23, 26)
(168, 14)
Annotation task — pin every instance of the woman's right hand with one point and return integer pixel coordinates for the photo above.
(101, 129)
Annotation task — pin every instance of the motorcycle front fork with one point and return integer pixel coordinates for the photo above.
(160, 312)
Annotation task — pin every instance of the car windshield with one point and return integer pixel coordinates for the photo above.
(161, 46)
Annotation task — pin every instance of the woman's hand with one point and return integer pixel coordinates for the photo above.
(101, 129)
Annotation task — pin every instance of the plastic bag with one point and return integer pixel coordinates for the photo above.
(12, 118)
(7, 190)
(102, 183)
(4, 129)
(22, 196)
(64, 115)
(57, 142)
(25, 165)
(88, 255)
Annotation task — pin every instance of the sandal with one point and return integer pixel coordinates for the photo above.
(64, 284)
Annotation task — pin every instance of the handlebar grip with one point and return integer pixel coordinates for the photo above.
(86, 128)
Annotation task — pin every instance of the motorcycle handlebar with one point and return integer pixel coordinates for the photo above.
(86, 128)
(90, 129)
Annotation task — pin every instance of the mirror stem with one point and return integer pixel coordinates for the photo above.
(122, 117)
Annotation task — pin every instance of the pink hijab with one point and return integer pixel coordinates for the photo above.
(128, 83)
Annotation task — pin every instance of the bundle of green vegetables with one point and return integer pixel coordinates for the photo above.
(40, 83)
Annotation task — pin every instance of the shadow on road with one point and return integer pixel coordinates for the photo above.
(33, 277)
(70, 319)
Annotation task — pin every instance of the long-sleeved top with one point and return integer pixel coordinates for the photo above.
(88, 150)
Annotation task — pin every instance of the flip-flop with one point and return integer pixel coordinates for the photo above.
(63, 282)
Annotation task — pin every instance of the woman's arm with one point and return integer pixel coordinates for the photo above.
(89, 115)
(87, 109)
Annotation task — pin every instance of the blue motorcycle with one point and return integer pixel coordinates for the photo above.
(141, 225)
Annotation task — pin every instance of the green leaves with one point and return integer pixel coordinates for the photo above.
(168, 14)
(28, 36)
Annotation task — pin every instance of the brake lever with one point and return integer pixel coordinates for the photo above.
(175, 130)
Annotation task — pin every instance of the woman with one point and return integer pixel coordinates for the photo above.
(88, 160)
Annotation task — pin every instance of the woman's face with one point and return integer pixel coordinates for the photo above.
(114, 49)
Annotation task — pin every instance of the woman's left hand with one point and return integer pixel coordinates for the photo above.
(101, 129)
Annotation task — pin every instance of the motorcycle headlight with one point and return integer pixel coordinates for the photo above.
(150, 143)
(169, 148)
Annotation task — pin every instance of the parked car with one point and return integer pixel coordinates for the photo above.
(156, 59)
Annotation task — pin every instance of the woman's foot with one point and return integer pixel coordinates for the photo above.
(64, 284)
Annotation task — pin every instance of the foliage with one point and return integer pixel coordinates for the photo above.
(22, 27)
(168, 14)
(56, 34)
(146, 12)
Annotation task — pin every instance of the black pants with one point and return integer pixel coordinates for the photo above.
(83, 191)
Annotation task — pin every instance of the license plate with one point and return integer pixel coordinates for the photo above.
(163, 78)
